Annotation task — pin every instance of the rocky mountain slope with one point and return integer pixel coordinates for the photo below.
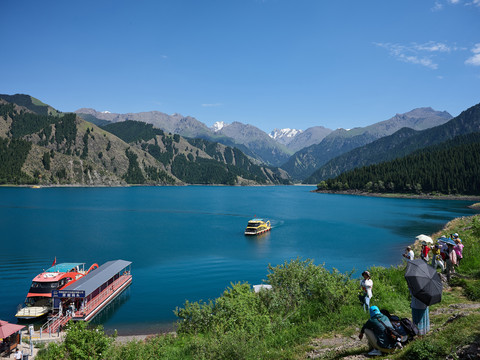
(257, 141)
(249, 139)
(196, 161)
(306, 161)
(311, 136)
(50, 147)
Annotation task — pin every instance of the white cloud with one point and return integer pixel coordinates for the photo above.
(415, 53)
(475, 59)
(212, 105)
(416, 60)
(439, 4)
(433, 47)
(437, 7)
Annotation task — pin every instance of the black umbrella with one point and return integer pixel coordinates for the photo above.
(424, 282)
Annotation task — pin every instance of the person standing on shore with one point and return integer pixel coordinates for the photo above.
(451, 261)
(409, 254)
(425, 251)
(437, 258)
(420, 316)
(458, 248)
(366, 284)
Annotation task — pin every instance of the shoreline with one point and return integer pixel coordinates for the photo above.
(142, 336)
(475, 198)
(146, 333)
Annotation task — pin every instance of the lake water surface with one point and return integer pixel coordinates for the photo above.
(188, 242)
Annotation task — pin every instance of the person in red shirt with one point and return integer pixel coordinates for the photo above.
(425, 251)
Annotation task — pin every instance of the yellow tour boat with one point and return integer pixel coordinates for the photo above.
(257, 226)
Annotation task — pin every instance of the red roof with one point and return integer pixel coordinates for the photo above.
(7, 329)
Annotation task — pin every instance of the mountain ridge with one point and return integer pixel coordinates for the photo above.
(304, 162)
(399, 144)
(261, 147)
(63, 148)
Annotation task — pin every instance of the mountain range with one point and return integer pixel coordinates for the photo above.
(92, 147)
(248, 138)
(304, 162)
(401, 143)
(311, 148)
(39, 144)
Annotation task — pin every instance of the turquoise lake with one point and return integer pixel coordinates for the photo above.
(187, 243)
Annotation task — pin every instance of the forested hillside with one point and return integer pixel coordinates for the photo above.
(63, 149)
(49, 147)
(401, 143)
(451, 167)
(196, 161)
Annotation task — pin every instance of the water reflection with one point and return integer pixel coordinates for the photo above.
(109, 311)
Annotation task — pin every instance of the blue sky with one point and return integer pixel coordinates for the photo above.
(270, 63)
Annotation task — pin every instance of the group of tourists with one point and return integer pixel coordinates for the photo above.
(386, 332)
(446, 254)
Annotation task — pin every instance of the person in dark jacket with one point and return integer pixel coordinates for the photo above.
(376, 333)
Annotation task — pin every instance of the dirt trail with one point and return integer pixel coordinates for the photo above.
(339, 346)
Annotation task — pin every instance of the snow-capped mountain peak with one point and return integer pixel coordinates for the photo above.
(277, 134)
(218, 126)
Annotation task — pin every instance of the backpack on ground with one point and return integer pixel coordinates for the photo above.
(409, 327)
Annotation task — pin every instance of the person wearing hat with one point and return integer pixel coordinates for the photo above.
(375, 331)
(451, 261)
(409, 253)
(366, 284)
(458, 248)
(437, 258)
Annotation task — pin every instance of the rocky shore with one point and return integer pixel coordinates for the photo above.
(405, 196)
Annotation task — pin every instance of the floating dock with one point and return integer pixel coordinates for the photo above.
(88, 296)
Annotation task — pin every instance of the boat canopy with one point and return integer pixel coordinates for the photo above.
(97, 277)
(256, 220)
(63, 267)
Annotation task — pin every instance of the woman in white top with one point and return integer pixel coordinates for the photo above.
(366, 284)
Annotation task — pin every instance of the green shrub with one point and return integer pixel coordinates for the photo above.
(301, 289)
(80, 343)
(239, 308)
(424, 350)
